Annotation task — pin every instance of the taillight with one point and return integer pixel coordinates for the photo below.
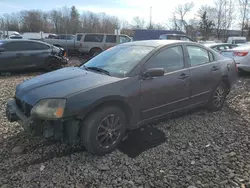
(240, 54)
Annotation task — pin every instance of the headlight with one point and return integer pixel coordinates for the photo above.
(49, 108)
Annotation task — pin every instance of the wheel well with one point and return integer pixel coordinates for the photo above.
(122, 105)
(226, 82)
(95, 49)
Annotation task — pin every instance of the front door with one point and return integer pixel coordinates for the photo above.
(168, 93)
(205, 73)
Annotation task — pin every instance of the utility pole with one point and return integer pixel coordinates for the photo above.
(150, 18)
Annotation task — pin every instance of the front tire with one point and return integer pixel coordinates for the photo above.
(52, 65)
(103, 130)
(218, 97)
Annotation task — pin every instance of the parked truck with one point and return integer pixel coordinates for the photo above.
(69, 42)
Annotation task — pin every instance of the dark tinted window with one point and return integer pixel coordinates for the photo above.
(93, 38)
(13, 46)
(172, 37)
(79, 36)
(171, 59)
(197, 55)
(111, 38)
(35, 46)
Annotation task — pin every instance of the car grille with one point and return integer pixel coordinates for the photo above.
(24, 107)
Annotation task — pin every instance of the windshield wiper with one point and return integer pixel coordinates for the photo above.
(97, 69)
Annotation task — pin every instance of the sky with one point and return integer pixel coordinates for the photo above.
(123, 9)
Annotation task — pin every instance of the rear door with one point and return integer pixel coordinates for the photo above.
(91, 41)
(35, 54)
(205, 73)
(11, 58)
(168, 93)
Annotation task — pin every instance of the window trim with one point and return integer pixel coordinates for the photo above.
(165, 48)
(188, 58)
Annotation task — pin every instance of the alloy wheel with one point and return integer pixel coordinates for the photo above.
(219, 96)
(109, 131)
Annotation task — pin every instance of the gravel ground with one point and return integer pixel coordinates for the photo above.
(202, 150)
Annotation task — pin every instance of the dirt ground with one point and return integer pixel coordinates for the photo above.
(198, 149)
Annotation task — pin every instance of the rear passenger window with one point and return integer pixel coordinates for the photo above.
(197, 55)
(13, 46)
(111, 38)
(93, 38)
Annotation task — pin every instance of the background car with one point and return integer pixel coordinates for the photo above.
(95, 43)
(176, 37)
(241, 55)
(220, 46)
(30, 54)
(121, 89)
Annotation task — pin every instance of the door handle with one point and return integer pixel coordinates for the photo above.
(183, 76)
(215, 68)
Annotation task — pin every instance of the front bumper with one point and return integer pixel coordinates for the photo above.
(29, 124)
(13, 113)
(63, 60)
(58, 129)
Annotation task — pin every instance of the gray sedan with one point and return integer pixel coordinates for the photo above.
(124, 87)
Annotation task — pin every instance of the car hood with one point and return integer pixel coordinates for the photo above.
(60, 84)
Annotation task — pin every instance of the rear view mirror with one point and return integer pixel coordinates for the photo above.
(154, 72)
(2, 50)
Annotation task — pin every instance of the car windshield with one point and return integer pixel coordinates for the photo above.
(119, 60)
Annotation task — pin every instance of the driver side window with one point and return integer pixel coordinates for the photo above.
(170, 59)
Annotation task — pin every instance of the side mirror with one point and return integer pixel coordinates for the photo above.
(154, 72)
(2, 50)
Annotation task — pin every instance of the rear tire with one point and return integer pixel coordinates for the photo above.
(103, 130)
(218, 97)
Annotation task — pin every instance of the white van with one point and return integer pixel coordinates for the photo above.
(236, 40)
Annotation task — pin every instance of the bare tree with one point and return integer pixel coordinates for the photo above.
(181, 11)
(244, 12)
(138, 22)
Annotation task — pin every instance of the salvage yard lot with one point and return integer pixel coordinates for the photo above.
(202, 149)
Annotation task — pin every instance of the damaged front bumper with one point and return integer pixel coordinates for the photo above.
(58, 129)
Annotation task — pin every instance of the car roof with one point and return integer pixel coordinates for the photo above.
(156, 43)
(22, 40)
(217, 44)
(174, 34)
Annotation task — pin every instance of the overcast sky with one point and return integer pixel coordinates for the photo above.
(124, 9)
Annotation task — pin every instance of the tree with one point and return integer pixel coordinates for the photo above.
(56, 17)
(244, 11)
(74, 20)
(180, 13)
(138, 23)
(206, 26)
